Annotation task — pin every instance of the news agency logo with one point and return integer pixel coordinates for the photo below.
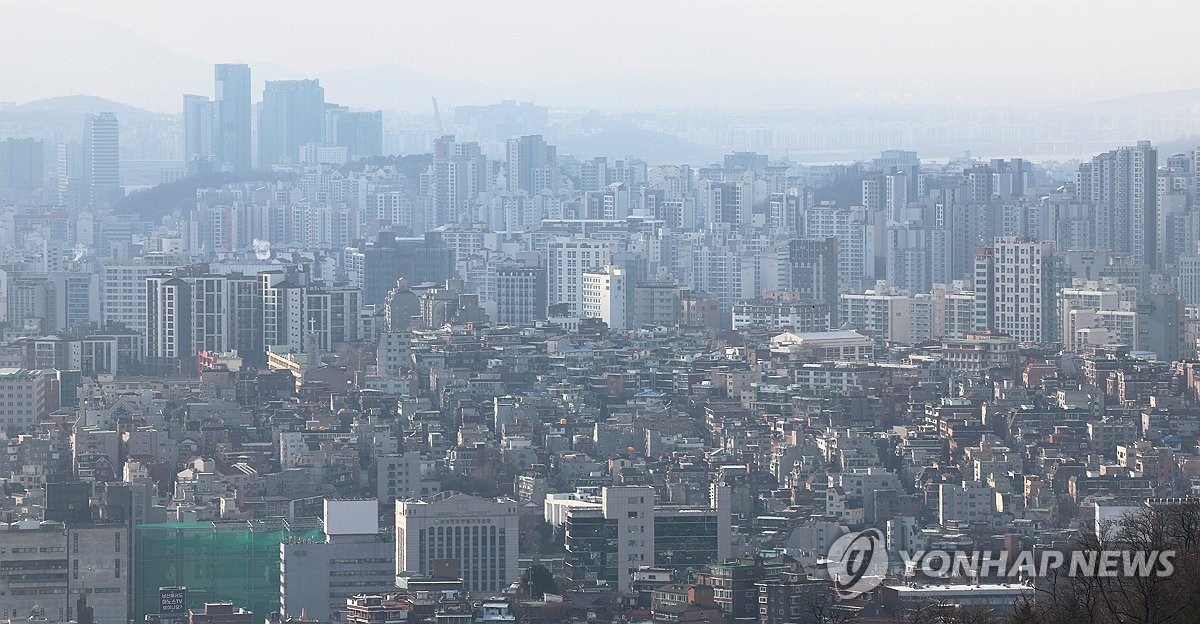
(1026, 564)
(857, 562)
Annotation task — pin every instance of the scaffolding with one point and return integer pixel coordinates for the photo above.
(236, 561)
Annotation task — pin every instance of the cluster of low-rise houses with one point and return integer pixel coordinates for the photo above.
(454, 388)
(657, 473)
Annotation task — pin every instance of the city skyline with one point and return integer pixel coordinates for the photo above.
(619, 313)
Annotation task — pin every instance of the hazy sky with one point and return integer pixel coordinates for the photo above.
(922, 50)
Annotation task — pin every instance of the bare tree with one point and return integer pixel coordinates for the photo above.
(823, 608)
(975, 614)
(1145, 598)
(931, 612)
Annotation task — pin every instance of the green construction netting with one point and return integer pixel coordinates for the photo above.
(234, 561)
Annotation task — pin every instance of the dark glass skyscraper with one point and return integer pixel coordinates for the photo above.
(417, 260)
(232, 111)
(292, 115)
(101, 159)
(198, 134)
(531, 164)
(814, 267)
(22, 170)
(361, 132)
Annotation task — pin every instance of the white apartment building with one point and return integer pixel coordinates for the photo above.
(825, 378)
(1022, 289)
(606, 296)
(168, 329)
(1099, 327)
(404, 475)
(952, 310)
(717, 270)
(23, 395)
(862, 483)
(908, 257)
(393, 353)
(123, 288)
(189, 313)
(1121, 183)
(1088, 298)
(860, 238)
(895, 188)
(1188, 281)
(969, 501)
(782, 314)
(568, 259)
(284, 311)
(883, 313)
(1094, 314)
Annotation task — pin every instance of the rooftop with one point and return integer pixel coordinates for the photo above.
(13, 374)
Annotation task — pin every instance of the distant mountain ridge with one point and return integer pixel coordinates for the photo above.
(81, 104)
(72, 54)
(96, 57)
(1177, 97)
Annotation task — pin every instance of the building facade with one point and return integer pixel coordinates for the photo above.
(232, 110)
(317, 578)
(477, 535)
(814, 271)
(568, 259)
(520, 294)
(49, 565)
(605, 296)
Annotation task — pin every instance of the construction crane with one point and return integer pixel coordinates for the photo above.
(437, 116)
